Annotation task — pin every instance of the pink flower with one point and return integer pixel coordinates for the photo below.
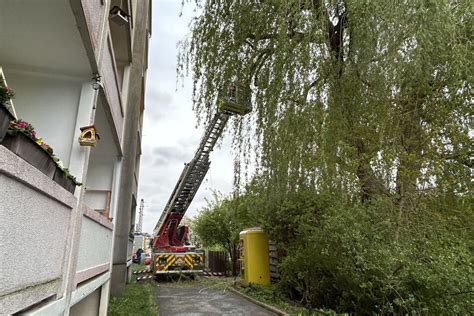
(33, 133)
(22, 124)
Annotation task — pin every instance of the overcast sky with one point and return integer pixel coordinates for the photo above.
(170, 136)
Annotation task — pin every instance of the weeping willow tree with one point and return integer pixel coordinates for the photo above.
(365, 97)
(369, 100)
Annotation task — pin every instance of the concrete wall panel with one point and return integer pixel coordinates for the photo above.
(35, 215)
(88, 306)
(36, 231)
(95, 244)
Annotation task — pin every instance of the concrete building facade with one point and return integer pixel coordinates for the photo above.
(71, 63)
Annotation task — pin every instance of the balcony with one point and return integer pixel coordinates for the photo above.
(51, 80)
(36, 219)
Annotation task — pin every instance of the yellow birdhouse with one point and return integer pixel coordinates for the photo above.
(88, 136)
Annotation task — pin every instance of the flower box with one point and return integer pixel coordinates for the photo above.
(30, 151)
(62, 179)
(5, 118)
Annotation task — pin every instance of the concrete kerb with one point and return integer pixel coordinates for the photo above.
(266, 306)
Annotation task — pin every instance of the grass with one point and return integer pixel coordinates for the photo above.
(272, 295)
(137, 299)
(138, 267)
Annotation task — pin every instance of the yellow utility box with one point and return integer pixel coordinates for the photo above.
(254, 255)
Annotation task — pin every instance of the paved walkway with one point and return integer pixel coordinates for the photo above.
(200, 301)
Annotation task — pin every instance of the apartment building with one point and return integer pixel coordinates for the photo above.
(75, 66)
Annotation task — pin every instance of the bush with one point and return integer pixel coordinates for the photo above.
(366, 259)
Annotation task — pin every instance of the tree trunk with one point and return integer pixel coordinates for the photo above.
(411, 138)
(370, 185)
(409, 169)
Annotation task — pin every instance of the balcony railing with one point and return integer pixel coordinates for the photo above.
(95, 246)
(34, 236)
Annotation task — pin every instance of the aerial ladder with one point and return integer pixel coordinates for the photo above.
(172, 252)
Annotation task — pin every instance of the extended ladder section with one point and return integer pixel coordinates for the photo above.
(193, 174)
(168, 236)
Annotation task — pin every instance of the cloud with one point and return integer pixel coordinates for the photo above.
(167, 154)
(160, 103)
